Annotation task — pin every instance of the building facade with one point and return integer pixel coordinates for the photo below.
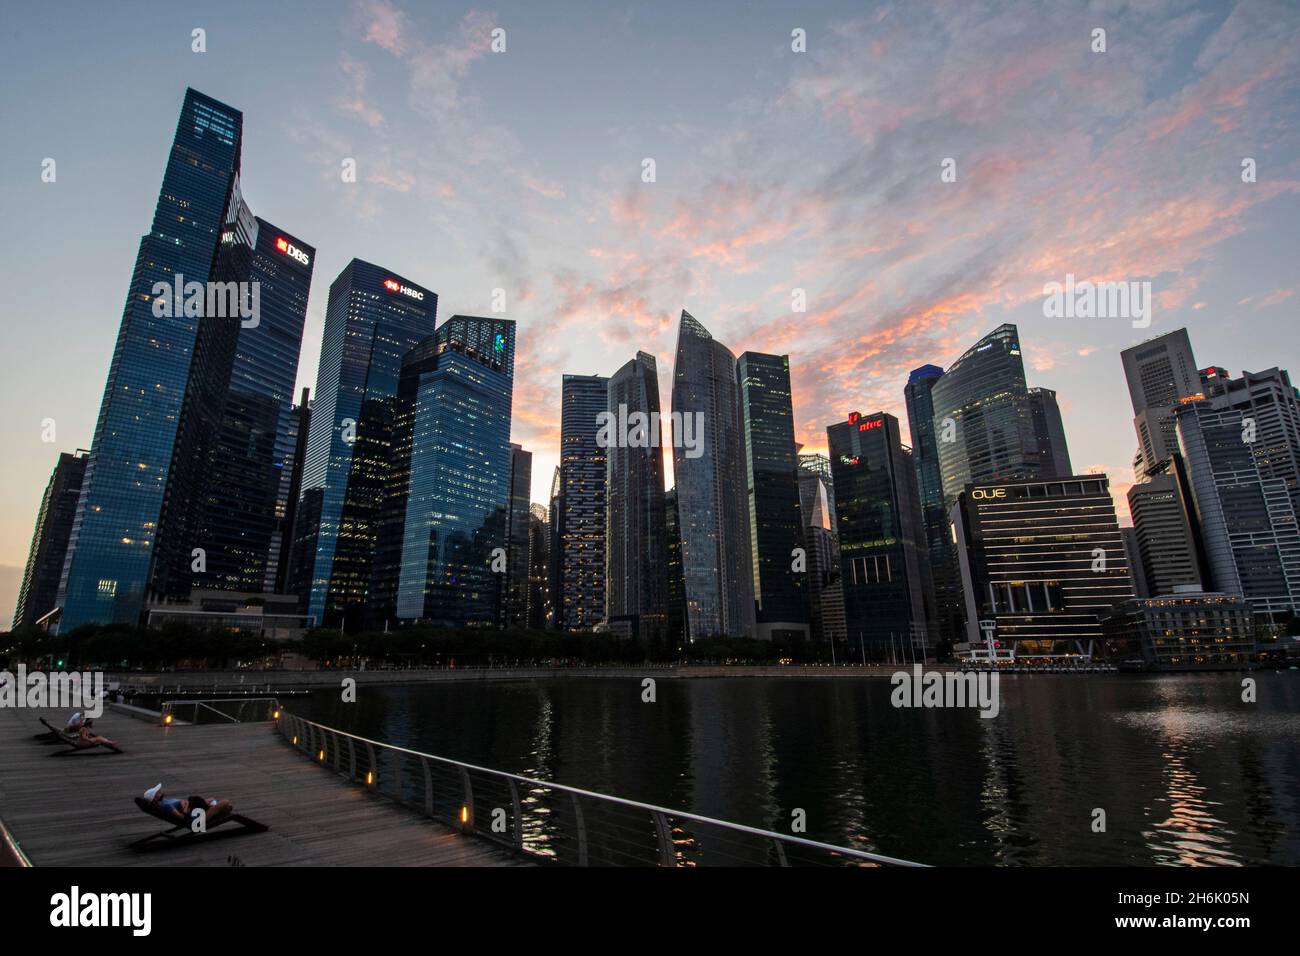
(373, 319)
(717, 563)
(636, 539)
(110, 551)
(772, 486)
(38, 594)
(1160, 372)
(884, 561)
(580, 602)
(1043, 561)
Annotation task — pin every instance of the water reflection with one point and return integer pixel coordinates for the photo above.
(1186, 773)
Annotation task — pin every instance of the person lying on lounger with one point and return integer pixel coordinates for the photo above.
(74, 723)
(180, 810)
(86, 736)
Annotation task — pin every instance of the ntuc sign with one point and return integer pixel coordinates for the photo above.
(392, 285)
(981, 494)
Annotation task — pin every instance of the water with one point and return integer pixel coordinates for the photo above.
(1186, 773)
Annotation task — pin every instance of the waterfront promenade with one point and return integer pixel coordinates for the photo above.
(78, 809)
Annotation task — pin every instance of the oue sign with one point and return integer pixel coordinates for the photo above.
(293, 252)
(983, 493)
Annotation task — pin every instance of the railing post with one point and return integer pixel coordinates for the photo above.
(428, 787)
(352, 759)
(780, 853)
(519, 814)
(582, 830)
(666, 857)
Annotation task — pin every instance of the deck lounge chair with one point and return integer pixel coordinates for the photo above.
(72, 741)
(182, 831)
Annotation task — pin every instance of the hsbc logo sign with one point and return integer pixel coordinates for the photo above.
(392, 285)
(293, 252)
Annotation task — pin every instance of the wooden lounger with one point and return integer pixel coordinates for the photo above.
(182, 831)
(70, 740)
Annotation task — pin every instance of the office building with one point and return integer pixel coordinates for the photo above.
(1165, 533)
(1186, 630)
(1043, 561)
(580, 602)
(110, 550)
(825, 595)
(709, 465)
(636, 541)
(884, 561)
(373, 319)
(989, 428)
(38, 594)
(444, 522)
(772, 486)
(539, 563)
(1160, 372)
(519, 530)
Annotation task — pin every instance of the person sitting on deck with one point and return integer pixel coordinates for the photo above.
(74, 723)
(86, 737)
(179, 810)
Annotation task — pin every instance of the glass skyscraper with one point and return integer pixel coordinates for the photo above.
(636, 544)
(712, 509)
(580, 535)
(989, 427)
(374, 318)
(446, 499)
(884, 562)
(39, 592)
(938, 535)
(772, 485)
(110, 552)
(519, 523)
(227, 484)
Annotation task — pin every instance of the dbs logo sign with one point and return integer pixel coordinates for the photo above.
(986, 493)
(293, 252)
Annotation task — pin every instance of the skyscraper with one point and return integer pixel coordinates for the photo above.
(446, 502)
(580, 604)
(1161, 372)
(1165, 532)
(712, 509)
(884, 561)
(518, 528)
(636, 542)
(107, 568)
(772, 487)
(985, 418)
(1247, 521)
(226, 484)
(374, 317)
(825, 593)
(39, 592)
(539, 568)
(929, 483)
(294, 453)
(1043, 560)
(1049, 434)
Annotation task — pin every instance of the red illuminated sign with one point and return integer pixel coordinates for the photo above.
(867, 426)
(853, 418)
(392, 285)
(292, 251)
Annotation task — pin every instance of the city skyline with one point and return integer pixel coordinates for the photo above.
(706, 236)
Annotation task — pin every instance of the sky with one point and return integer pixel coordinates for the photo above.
(775, 171)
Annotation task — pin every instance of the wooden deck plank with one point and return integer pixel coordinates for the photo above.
(77, 810)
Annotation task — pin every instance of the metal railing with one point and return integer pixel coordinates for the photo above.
(554, 823)
(221, 710)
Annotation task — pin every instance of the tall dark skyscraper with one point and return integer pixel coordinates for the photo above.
(39, 592)
(539, 568)
(676, 581)
(580, 602)
(446, 505)
(825, 594)
(518, 529)
(772, 485)
(111, 548)
(373, 319)
(717, 562)
(293, 452)
(985, 418)
(1049, 434)
(884, 562)
(929, 483)
(226, 486)
(1165, 533)
(636, 543)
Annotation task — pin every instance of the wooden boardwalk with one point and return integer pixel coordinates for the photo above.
(77, 810)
